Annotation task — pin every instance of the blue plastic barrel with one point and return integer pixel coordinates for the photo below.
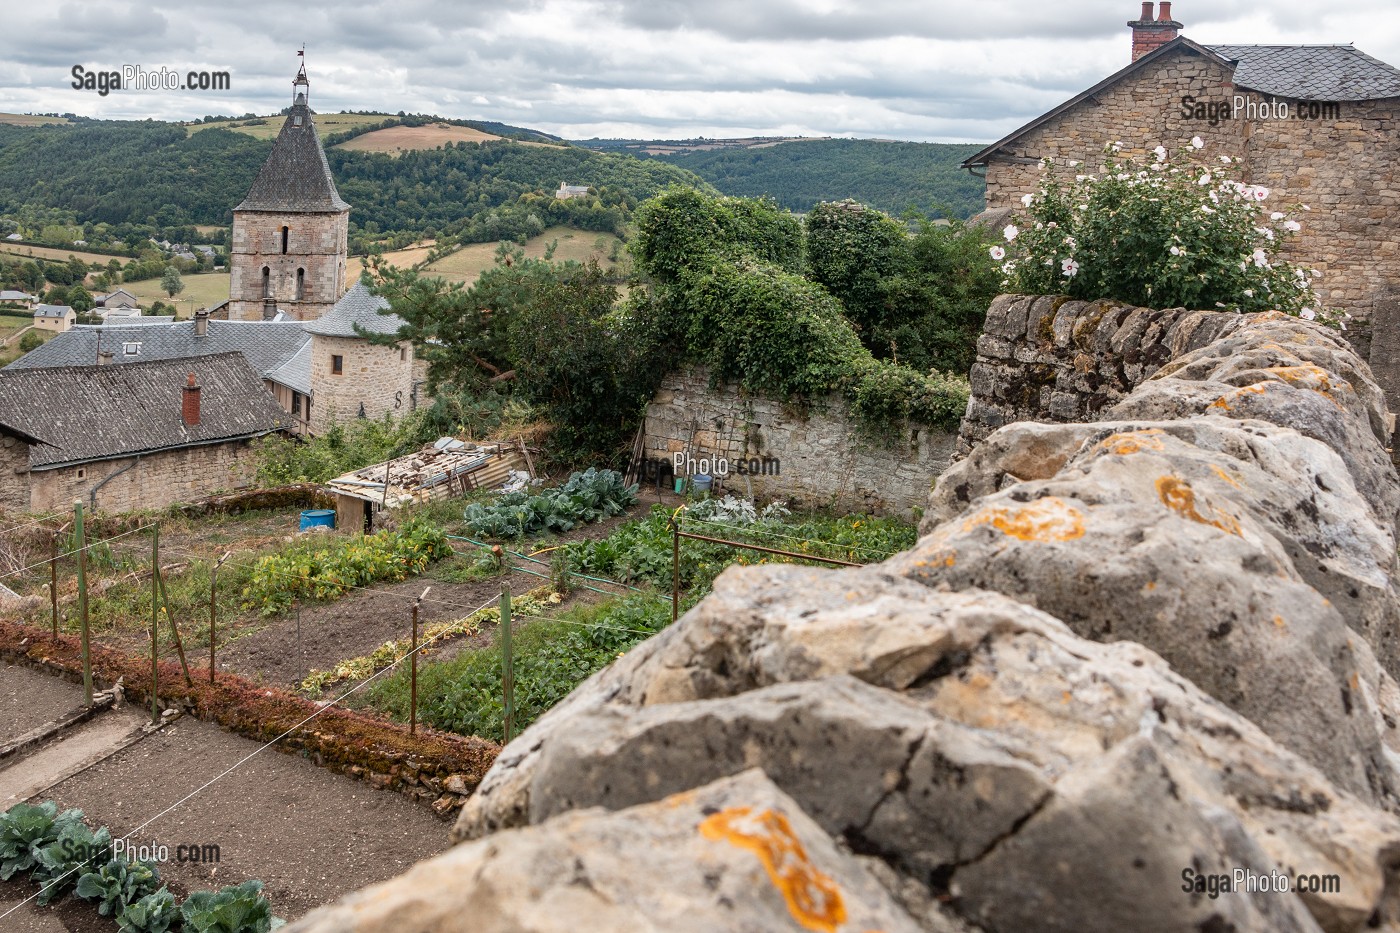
(312, 518)
(700, 483)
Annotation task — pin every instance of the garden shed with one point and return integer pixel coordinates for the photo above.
(441, 470)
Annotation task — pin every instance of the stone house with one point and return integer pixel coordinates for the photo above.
(121, 298)
(567, 191)
(12, 296)
(290, 234)
(354, 378)
(137, 436)
(1316, 124)
(57, 318)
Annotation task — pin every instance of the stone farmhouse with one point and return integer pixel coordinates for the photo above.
(139, 436)
(290, 233)
(1316, 124)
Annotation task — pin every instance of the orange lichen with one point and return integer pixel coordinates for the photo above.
(1257, 389)
(812, 898)
(1225, 476)
(1278, 620)
(1177, 495)
(1048, 519)
(1132, 442)
(1311, 377)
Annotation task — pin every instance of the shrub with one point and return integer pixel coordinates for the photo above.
(30, 341)
(589, 496)
(331, 570)
(1183, 232)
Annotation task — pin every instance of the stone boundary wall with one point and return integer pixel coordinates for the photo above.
(1055, 359)
(823, 460)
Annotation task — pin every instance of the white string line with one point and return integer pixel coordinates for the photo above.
(86, 547)
(238, 764)
(36, 521)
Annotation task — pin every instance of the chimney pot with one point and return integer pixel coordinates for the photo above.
(104, 357)
(201, 323)
(1151, 34)
(1147, 13)
(189, 402)
(1166, 12)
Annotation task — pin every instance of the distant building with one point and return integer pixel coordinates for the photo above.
(290, 233)
(14, 237)
(140, 436)
(118, 313)
(571, 191)
(10, 296)
(121, 298)
(57, 318)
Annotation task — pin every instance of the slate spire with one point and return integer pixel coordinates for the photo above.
(296, 176)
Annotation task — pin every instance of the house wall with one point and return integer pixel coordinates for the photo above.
(152, 482)
(823, 460)
(380, 378)
(1347, 170)
(14, 475)
(285, 398)
(315, 242)
(56, 324)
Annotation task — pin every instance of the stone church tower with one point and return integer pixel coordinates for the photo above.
(290, 232)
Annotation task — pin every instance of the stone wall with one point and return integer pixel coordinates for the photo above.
(1126, 655)
(153, 481)
(14, 474)
(1347, 170)
(823, 459)
(316, 243)
(385, 380)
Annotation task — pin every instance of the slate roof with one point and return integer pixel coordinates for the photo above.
(12, 295)
(58, 311)
(87, 413)
(266, 345)
(295, 371)
(356, 306)
(296, 176)
(1311, 72)
(1303, 72)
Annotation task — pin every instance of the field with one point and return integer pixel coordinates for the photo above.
(403, 258)
(9, 327)
(467, 263)
(268, 127)
(396, 139)
(206, 288)
(26, 119)
(58, 254)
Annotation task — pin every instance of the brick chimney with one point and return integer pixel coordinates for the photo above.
(189, 403)
(201, 323)
(104, 357)
(1150, 34)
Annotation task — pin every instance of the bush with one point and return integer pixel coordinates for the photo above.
(1181, 232)
(329, 571)
(589, 496)
(30, 341)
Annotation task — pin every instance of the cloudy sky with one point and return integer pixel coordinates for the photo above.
(901, 69)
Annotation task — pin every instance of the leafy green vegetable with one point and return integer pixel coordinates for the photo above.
(76, 850)
(154, 913)
(117, 884)
(589, 496)
(25, 830)
(236, 909)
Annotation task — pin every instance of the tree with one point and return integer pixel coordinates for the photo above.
(80, 299)
(29, 341)
(57, 295)
(170, 282)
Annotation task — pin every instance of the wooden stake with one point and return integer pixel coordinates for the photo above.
(53, 579)
(155, 624)
(413, 673)
(170, 616)
(213, 611)
(508, 670)
(675, 568)
(82, 597)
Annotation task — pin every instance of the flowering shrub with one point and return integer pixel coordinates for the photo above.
(1170, 232)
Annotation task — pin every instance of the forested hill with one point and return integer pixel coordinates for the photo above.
(136, 177)
(801, 173)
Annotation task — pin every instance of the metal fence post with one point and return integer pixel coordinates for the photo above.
(155, 625)
(82, 597)
(53, 579)
(413, 672)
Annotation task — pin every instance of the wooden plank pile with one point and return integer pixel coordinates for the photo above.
(438, 471)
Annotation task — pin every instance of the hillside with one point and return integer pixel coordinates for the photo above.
(799, 173)
(144, 178)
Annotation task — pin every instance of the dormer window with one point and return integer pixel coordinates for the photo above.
(131, 348)
(296, 120)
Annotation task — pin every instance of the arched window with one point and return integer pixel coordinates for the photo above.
(284, 241)
(267, 282)
(301, 284)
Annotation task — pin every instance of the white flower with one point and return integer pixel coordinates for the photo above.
(1292, 226)
(1276, 215)
(1316, 274)
(1069, 267)
(1027, 200)
(1225, 159)
(1161, 153)
(1175, 250)
(1265, 232)
(1306, 208)
(1249, 293)
(1244, 266)
(1010, 232)
(1307, 314)
(1260, 192)
(1259, 257)
(1204, 179)
(1116, 147)
(1197, 143)
(998, 253)
(1073, 163)
(1207, 209)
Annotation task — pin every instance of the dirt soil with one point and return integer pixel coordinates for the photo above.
(29, 699)
(69, 914)
(310, 835)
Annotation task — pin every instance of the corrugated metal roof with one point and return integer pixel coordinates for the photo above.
(89, 413)
(1311, 72)
(296, 176)
(357, 306)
